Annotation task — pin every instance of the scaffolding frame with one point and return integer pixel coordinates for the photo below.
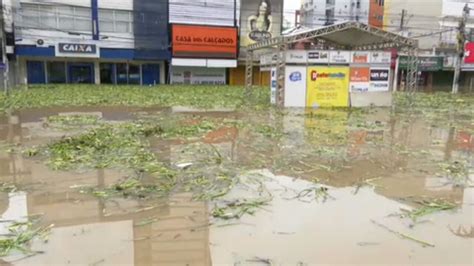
(335, 36)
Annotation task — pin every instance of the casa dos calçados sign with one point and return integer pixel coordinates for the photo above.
(190, 41)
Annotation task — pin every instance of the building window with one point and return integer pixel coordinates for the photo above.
(56, 72)
(54, 17)
(107, 73)
(122, 74)
(133, 74)
(120, 21)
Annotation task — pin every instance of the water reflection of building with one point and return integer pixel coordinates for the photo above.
(89, 230)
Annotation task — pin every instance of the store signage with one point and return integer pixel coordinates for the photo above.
(198, 75)
(190, 41)
(321, 57)
(77, 48)
(379, 79)
(384, 58)
(469, 53)
(297, 57)
(359, 79)
(360, 57)
(296, 76)
(340, 57)
(425, 63)
(295, 86)
(328, 87)
(260, 20)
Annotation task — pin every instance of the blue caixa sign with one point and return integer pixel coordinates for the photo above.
(295, 76)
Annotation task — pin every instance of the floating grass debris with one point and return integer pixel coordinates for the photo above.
(104, 147)
(8, 187)
(238, 208)
(165, 96)
(20, 235)
(131, 188)
(72, 121)
(403, 235)
(427, 208)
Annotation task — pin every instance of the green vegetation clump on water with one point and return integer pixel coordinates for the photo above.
(20, 236)
(134, 96)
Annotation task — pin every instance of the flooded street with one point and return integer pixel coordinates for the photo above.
(223, 187)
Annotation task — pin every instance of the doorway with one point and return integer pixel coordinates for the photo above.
(81, 73)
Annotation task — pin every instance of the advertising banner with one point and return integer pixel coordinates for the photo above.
(383, 58)
(328, 87)
(198, 75)
(359, 79)
(360, 57)
(299, 57)
(204, 42)
(425, 63)
(469, 53)
(318, 57)
(295, 86)
(273, 85)
(260, 20)
(379, 79)
(339, 57)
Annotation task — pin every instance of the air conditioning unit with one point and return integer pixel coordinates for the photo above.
(41, 43)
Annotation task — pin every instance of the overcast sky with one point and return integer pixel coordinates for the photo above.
(292, 4)
(290, 7)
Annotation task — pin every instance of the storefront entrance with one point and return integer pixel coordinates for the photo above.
(81, 73)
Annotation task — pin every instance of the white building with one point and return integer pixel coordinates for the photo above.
(316, 13)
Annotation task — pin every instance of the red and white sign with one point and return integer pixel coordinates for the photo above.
(469, 53)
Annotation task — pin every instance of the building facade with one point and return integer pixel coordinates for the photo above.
(91, 41)
(317, 13)
(204, 40)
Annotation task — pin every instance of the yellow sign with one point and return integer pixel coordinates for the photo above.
(328, 87)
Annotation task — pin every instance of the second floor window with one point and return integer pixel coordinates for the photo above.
(56, 17)
(119, 21)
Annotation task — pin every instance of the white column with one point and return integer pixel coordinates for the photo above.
(97, 72)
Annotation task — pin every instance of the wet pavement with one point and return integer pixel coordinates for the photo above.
(372, 163)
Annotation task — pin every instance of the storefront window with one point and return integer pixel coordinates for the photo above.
(56, 72)
(134, 74)
(107, 73)
(122, 73)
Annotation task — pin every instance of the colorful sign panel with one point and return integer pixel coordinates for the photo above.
(191, 41)
(360, 57)
(469, 53)
(339, 57)
(327, 87)
(318, 57)
(384, 58)
(295, 86)
(260, 20)
(359, 79)
(379, 79)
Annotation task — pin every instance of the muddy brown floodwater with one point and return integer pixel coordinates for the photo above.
(373, 165)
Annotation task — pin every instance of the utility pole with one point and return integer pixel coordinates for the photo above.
(402, 21)
(4, 49)
(460, 47)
